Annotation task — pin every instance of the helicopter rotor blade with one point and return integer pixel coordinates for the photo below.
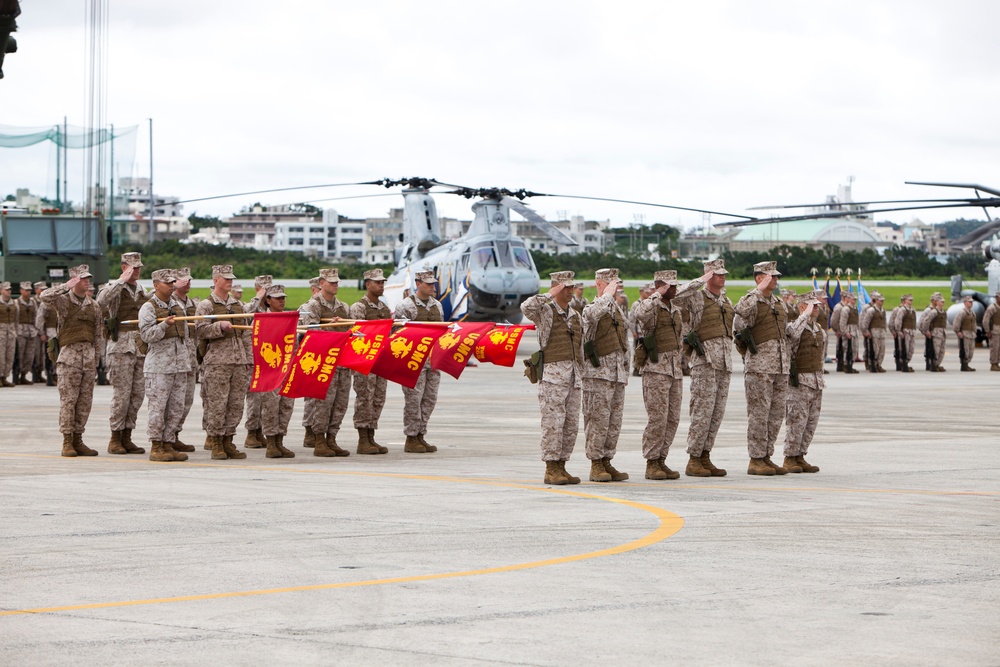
(973, 186)
(976, 236)
(540, 223)
(857, 203)
(844, 214)
(260, 192)
(640, 203)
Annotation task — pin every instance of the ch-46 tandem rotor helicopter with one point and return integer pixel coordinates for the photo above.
(969, 242)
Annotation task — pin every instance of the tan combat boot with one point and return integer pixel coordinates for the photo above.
(806, 466)
(67, 449)
(791, 464)
(331, 442)
(24, 378)
(597, 471)
(759, 467)
(365, 446)
(413, 445)
(254, 440)
(653, 470)
(706, 462)
(995, 367)
(310, 439)
(695, 468)
(428, 446)
(115, 444)
(215, 444)
(272, 447)
(371, 438)
(208, 443)
(229, 448)
(157, 453)
(571, 478)
(320, 448)
(82, 449)
(168, 448)
(671, 474)
(553, 475)
(285, 452)
(616, 475)
(132, 448)
(778, 470)
(180, 446)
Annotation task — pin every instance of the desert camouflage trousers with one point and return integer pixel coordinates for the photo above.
(128, 386)
(709, 393)
(77, 370)
(275, 412)
(994, 349)
(252, 422)
(969, 343)
(419, 402)
(192, 378)
(802, 408)
(369, 399)
(662, 395)
(909, 336)
(328, 413)
(603, 403)
(26, 346)
(39, 362)
(877, 341)
(223, 390)
(165, 405)
(560, 408)
(8, 347)
(765, 411)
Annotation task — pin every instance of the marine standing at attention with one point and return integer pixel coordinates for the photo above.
(369, 390)
(965, 328)
(991, 325)
(807, 349)
(766, 370)
(903, 326)
(121, 301)
(275, 409)
(309, 440)
(419, 402)
(81, 341)
(47, 323)
(27, 334)
(8, 334)
(182, 287)
(605, 374)
(560, 387)
(933, 324)
(850, 332)
(166, 368)
(255, 433)
(873, 324)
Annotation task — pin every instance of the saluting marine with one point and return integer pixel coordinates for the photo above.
(658, 356)
(47, 323)
(8, 334)
(874, 327)
(560, 386)
(933, 325)
(121, 301)
(370, 390)
(419, 402)
(903, 326)
(81, 341)
(761, 320)
(182, 286)
(807, 349)
(991, 325)
(964, 326)
(255, 434)
(850, 332)
(27, 334)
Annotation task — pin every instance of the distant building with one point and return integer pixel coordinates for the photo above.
(332, 237)
(591, 235)
(254, 226)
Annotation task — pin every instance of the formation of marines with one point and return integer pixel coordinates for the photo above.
(588, 352)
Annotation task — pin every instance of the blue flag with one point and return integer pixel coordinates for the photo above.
(863, 298)
(832, 299)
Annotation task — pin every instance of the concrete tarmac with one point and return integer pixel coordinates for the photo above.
(888, 556)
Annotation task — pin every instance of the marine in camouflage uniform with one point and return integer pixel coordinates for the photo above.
(47, 323)
(964, 326)
(38, 362)
(27, 334)
(8, 334)
(81, 341)
(991, 325)
(903, 327)
(578, 302)
(275, 409)
(121, 301)
(255, 433)
(310, 437)
(658, 354)
(874, 326)
(560, 387)
(710, 317)
(419, 402)
(807, 348)
(370, 390)
(224, 366)
(605, 337)
(190, 305)
(326, 415)
(933, 324)
(766, 372)
(166, 367)
(850, 332)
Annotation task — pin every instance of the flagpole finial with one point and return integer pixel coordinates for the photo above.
(848, 272)
(828, 271)
(813, 271)
(839, 271)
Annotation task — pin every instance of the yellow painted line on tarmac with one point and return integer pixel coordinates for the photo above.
(670, 523)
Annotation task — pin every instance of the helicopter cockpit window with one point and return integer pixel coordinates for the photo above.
(503, 249)
(483, 256)
(522, 259)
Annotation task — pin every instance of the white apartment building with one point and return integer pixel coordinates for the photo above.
(589, 234)
(332, 237)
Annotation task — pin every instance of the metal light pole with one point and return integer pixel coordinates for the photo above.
(151, 201)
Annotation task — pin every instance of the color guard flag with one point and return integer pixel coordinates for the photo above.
(406, 352)
(499, 345)
(366, 342)
(273, 338)
(453, 349)
(312, 369)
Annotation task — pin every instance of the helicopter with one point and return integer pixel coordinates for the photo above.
(979, 237)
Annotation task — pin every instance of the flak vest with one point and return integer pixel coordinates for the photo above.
(128, 309)
(51, 318)
(810, 355)
(996, 321)
(716, 320)
(564, 339)
(426, 314)
(80, 323)
(909, 319)
(878, 319)
(325, 312)
(378, 312)
(969, 322)
(610, 335)
(668, 330)
(179, 329)
(940, 320)
(770, 323)
(222, 309)
(26, 313)
(852, 316)
(8, 312)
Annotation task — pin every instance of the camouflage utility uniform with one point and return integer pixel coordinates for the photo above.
(965, 323)
(903, 327)
(326, 415)
(807, 347)
(369, 390)
(606, 327)
(8, 338)
(848, 324)
(225, 377)
(934, 321)
(166, 368)
(27, 334)
(874, 322)
(419, 402)
(121, 301)
(991, 325)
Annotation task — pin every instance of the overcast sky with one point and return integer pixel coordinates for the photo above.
(708, 104)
